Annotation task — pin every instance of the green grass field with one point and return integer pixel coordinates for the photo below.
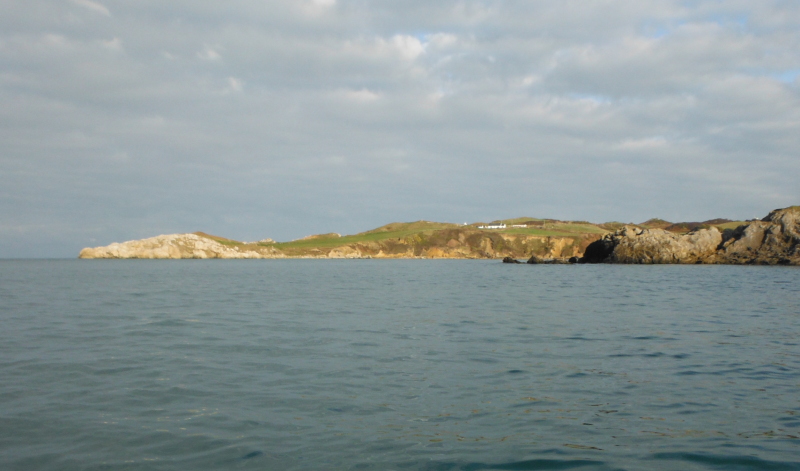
(396, 230)
(424, 229)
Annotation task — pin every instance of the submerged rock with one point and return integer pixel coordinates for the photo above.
(534, 260)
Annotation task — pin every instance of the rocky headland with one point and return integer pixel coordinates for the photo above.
(774, 240)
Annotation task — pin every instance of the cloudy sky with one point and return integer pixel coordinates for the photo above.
(125, 119)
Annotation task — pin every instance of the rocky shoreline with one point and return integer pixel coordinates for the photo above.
(774, 240)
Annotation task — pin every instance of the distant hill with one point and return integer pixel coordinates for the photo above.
(655, 223)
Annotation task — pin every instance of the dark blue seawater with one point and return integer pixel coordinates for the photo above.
(397, 365)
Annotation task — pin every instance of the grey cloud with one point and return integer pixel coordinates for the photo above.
(285, 118)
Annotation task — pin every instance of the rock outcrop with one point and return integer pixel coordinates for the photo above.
(633, 245)
(175, 246)
(773, 240)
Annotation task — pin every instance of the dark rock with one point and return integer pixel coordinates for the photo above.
(510, 260)
(598, 251)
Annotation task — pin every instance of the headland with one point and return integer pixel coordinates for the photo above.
(773, 240)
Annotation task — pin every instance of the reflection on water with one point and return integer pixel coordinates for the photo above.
(432, 365)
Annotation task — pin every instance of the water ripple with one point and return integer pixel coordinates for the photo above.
(396, 365)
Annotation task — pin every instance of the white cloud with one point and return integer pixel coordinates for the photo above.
(647, 143)
(209, 54)
(442, 40)
(361, 96)
(404, 47)
(409, 47)
(529, 80)
(318, 7)
(114, 44)
(93, 6)
(56, 40)
(234, 85)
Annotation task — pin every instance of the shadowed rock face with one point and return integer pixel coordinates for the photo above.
(599, 251)
(773, 240)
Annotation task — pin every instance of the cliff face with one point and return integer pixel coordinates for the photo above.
(771, 241)
(447, 243)
(635, 245)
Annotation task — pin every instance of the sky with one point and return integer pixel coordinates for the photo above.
(126, 119)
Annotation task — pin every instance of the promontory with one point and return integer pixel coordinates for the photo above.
(773, 240)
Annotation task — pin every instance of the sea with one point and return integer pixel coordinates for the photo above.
(397, 365)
